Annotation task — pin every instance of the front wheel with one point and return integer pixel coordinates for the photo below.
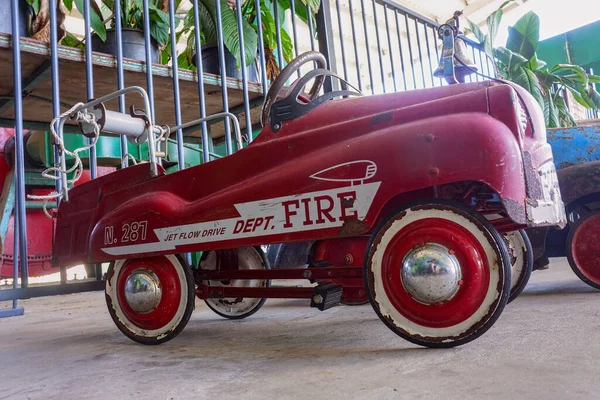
(150, 299)
(437, 273)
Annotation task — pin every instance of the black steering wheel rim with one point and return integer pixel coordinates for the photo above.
(285, 74)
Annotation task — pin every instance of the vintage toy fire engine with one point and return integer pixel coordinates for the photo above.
(393, 189)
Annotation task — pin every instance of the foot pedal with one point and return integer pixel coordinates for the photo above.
(326, 296)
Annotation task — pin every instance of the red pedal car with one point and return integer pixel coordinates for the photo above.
(394, 189)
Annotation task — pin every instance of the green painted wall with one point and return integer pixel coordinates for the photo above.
(580, 46)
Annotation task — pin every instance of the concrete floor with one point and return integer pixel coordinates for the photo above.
(544, 346)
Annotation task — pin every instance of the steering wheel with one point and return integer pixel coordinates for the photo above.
(275, 91)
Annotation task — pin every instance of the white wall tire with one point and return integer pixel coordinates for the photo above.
(477, 274)
(521, 259)
(237, 308)
(173, 306)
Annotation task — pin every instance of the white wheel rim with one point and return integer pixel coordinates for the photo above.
(111, 291)
(517, 249)
(249, 258)
(388, 311)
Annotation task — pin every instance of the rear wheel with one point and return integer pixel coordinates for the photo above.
(583, 250)
(521, 260)
(150, 299)
(437, 273)
(243, 258)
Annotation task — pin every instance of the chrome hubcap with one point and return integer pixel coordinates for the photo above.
(142, 291)
(430, 274)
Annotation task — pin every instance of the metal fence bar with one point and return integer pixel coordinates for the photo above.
(355, 47)
(419, 50)
(55, 82)
(120, 79)
(326, 43)
(378, 45)
(176, 94)
(89, 76)
(278, 33)
(400, 49)
(428, 55)
(437, 52)
(293, 9)
(339, 18)
(20, 227)
(55, 108)
(15, 285)
(148, 43)
(200, 72)
(228, 144)
(410, 52)
(471, 76)
(261, 44)
(389, 39)
(238, 10)
(364, 18)
(311, 28)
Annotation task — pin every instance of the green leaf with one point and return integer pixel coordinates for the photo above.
(493, 22)
(529, 81)
(269, 30)
(595, 97)
(479, 35)
(547, 79)
(96, 21)
(511, 60)
(35, 4)
(72, 41)
(231, 39)
(184, 62)
(550, 112)
(287, 46)
(580, 74)
(536, 64)
(313, 4)
(68, 4)
(524, 37)
(594, 78)
(564, 115)
(580, 96)
(160, 33)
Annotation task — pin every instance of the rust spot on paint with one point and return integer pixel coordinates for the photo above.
(515, 210)
(353, 227)
(348, 202)
(379, 118)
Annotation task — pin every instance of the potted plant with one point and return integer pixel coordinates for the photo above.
(34, 18)
(208, 34)
(102, 21)
(518, 63)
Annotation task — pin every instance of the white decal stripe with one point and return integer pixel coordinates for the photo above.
(297, 213)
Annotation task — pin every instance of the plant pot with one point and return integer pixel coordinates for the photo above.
(25, 17)
(210, 64)
(133, 42)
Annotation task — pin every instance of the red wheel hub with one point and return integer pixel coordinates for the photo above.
(170, 286)
(585, 249)
(463, 245)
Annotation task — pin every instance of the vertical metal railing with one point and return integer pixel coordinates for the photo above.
(406, 46)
